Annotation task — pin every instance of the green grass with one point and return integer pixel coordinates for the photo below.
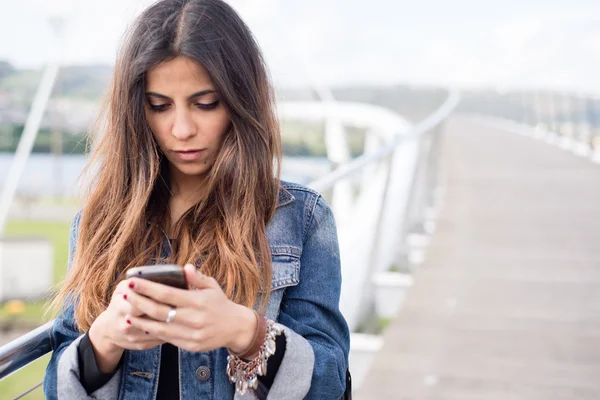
(58, 234)
(25, 379)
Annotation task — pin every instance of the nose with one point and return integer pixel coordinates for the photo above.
(183, 126)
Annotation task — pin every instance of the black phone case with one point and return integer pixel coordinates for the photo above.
(170, 275)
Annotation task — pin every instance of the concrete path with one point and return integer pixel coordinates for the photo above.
(507, 305)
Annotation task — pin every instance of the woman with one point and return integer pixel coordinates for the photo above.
(184, 174)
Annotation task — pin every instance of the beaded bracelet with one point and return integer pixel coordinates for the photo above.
(245, 373)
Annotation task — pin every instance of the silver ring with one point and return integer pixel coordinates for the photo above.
(171, 315)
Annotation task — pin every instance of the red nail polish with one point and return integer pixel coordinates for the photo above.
(129, 322)
(130, 285)
(125, 296)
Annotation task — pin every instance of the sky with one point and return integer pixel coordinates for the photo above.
(505, 45)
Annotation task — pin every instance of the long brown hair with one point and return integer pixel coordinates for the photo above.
(125, 208)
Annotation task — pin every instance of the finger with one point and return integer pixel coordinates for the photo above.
(141, 343)
(121, 287)
(143, 338)
(161, 330)
(121, 306)
(191, 317)
(148, 306)
(159, 292)
(127, 330)
(125, 307)
(197, 279)
(130, 310)
(133, 334)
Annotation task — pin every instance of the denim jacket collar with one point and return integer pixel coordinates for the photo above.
(285, 197)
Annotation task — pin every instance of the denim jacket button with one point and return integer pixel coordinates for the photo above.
(203, 373)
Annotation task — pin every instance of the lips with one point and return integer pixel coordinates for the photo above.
(189, 155)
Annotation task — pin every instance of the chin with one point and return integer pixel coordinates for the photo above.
(191, 169)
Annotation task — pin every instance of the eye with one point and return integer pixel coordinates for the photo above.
(159, 107)
(210, 106)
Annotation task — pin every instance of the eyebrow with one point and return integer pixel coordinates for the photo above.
(197, 94)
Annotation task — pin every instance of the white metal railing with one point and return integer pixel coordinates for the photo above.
(568, 120)
(394, 180)
(369, 242)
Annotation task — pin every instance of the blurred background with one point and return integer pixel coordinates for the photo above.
(457, 142)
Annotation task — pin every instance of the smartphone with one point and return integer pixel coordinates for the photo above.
(167, 274)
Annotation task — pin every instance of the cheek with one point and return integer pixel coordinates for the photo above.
(220, 126)
(158, 128)
(219, 133)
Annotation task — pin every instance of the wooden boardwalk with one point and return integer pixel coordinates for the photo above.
(507, 305)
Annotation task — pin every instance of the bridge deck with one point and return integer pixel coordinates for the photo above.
(507, 305)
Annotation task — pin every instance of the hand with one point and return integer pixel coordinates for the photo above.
(206, 319)
(112, 332)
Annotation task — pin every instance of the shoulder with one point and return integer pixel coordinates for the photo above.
(77, 218)
(301, 199)
(298, 188)
(300, 210)
(75, 222)
(302, 195)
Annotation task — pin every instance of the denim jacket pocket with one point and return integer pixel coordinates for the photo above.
(285, 262)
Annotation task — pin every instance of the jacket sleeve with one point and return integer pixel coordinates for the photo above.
(317, 336)
(90, 375)
(62, 379)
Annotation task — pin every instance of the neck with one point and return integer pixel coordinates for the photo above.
(188, 188)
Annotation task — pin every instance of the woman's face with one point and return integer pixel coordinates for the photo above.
(186, 115)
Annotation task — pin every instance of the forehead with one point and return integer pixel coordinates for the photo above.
(177, 75)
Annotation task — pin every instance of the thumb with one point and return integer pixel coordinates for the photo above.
(197, 279)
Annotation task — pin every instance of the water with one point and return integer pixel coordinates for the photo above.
(47, 175)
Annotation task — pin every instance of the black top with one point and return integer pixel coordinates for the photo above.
(168, 380)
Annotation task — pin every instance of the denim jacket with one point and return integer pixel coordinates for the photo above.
(304, 301)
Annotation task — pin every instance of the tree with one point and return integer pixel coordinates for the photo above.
(5, 69)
